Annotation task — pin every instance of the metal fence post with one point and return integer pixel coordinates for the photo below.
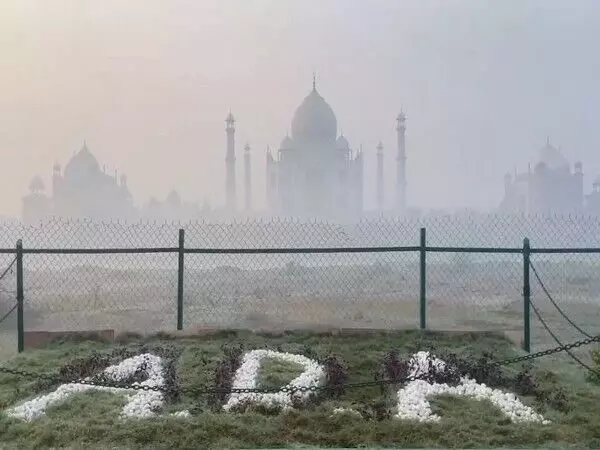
(180, 268)
(526, 296)
(423, 280)
(20, 298)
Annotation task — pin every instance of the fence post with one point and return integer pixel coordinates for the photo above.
(526, 296)
(180, 268)
(423, 280)
(20, 298)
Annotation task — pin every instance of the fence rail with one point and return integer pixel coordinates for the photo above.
(192, 283)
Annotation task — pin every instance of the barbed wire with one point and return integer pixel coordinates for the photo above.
(562, 313)
(204, 390)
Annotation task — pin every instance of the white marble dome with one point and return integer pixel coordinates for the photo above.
(314, 120)
(82, 165)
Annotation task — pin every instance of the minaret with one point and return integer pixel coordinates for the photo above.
(271, 180)
(578, 199)
(247, 179)
(401, 164)
(230, 164)
(360, 183)
(380, 177)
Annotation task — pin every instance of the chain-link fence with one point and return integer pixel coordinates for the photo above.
(468, 275)
(8, 303)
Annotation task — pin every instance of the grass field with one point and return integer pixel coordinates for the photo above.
(91, 420)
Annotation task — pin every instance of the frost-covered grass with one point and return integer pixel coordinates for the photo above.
(93, 419)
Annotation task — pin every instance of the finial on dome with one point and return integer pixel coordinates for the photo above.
(314, 81)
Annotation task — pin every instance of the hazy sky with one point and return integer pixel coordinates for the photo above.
(148, 84)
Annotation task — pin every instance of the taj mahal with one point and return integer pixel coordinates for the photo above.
(315, 172)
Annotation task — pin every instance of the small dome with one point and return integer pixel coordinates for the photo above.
(173, 198)
(286, 143)
(82, 165)
(37, 185)
(552, 158)
(314, 120)
(342, 143)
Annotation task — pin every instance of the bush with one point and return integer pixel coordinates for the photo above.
(594, 377)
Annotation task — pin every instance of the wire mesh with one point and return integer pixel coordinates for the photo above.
(72, 234)
(500, 231)
(95, 292)
(8, 314)
(355, 290)
(467, 291)
(132, 292)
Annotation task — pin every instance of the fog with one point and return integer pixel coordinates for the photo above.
(148, 84)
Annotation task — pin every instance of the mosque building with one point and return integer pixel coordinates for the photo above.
(552, 187)
(82, 190)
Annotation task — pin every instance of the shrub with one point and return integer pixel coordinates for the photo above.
(594, 377)
(336, 375)
(225, 373)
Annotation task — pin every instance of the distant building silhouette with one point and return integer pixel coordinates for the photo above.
(593, 198)
(552, 187)
(173, 208)
(83, 190)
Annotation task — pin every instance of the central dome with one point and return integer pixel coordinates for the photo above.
(552, 158)
(314, 120)
(82, 165)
